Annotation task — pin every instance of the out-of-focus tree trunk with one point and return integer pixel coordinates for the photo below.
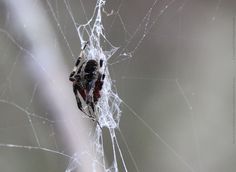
(57, 91)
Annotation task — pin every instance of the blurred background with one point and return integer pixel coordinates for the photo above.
(174, 71)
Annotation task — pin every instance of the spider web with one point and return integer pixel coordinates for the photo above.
(149, 111)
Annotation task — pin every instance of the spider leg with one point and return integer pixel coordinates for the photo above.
(99, 124)
(75, 90)
(72, 74)
(79, 59)
(94, 118)
(79, 104)
(85, 45)
(91, 109)
(100, 63)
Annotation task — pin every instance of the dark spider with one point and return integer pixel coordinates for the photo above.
(87, 83)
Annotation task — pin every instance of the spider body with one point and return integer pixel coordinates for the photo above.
(87, 83)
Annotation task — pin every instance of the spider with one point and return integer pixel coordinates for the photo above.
(87, 83)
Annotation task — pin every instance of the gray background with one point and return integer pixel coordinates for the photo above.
(179, 81)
